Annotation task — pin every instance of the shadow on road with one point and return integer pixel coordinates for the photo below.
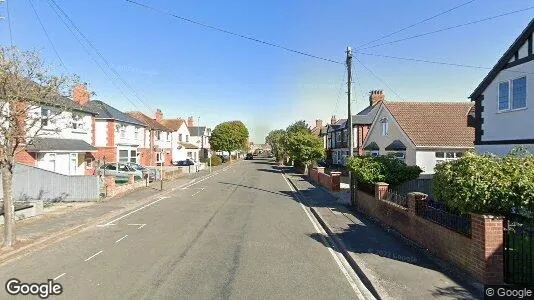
(251, 187)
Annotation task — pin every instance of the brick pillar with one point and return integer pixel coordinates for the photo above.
(335, 178)
(131, 179)
(320, 170)
(109, 181)
(488, 239)
(417, 203)
(381, 190)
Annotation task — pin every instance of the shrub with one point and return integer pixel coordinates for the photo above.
(385, 168)
(487, 184)
(215, 160)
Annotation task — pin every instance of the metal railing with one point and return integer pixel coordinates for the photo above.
(519, 250)
(438, 213)
(397, 198)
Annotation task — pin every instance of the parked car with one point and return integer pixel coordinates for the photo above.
(186, 162)
(119, 170)
(151, 172)
(249, 156)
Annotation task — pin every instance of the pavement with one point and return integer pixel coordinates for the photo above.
(237, 233)
(392, 268)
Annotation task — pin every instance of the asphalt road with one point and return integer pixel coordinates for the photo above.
(238, 234)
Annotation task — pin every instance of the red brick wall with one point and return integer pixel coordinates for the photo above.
(26, 158)
(107, 153)
(363, 131)
(331, 182)
(147, 157)
(480, 255)
(111, 134)
(168, 157)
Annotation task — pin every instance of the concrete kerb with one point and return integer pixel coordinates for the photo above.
(338, 244)
(43, 242)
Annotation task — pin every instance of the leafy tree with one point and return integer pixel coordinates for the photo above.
(487, 184)
(26, 85)
(299, 126)
(229, 136)
(277, 140)
(304, 147)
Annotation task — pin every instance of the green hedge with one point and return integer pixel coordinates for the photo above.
(386, 168)
(215, 160)
(486, 183)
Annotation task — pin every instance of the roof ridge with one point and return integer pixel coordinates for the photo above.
(432, 102)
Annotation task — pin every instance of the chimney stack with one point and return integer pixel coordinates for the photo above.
(80, 94)
(190, 122)
(319, 123)
(333, 120)
(159, 115)
(376, 97)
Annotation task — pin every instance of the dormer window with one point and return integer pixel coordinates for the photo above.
(45, 117)
(385, 126)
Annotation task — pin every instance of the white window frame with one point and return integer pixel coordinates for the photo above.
(179, 137)
(447, 156)
(510, 95)
(136, 132)
(52, 160)
(384, 126)
(374, 153)
(45, 117)
(400, 155)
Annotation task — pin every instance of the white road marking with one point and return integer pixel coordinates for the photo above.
(140, 225)
(162, 197)
(122, 238)
(59, 276)
(337, 259)
(91, 257)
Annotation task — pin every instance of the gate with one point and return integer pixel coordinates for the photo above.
(518, 250)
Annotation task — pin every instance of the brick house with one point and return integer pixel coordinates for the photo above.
(361, 122)
(320, 131)
(158, 149)
(117, 135)
(182, 142)
(420, 133)
(501, 117)
(61, 138)
(336, 141)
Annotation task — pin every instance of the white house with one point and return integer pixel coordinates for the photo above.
(182, 143)
(61, 137)
(200, 137)
(502, 118)
(420, 133)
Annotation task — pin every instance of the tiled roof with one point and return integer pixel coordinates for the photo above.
(55, 144)
(106, 111)
(173, 124)
(188, 145)
(434, 123)
(366, 116)
(148, 121)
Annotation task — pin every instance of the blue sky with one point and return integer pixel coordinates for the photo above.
(188, 70)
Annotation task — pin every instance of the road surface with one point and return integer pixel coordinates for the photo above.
(236, 234)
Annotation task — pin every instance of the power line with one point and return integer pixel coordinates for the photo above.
(417, 23)
(378, 78)
(166, 12)
(92, 57)
(101, 56)
(439, 62)
(358, 83)
(9, 24)
(448, 28)
(47, 36)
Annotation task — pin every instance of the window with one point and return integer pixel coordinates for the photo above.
(158, 156)
(189, 154)
(158, 135)
(385, 126)
(519, 93)
(123, 156)
(400, 156)
(447, 156)
(136, 133)
(375, 153)
(45, 117)
(187, 138)
(111, 167)
(168, 136)
(514, 97)
(73, 163)
(52, 161)
(133, 156)
(88, 163)
(121, 129)
(180, 137)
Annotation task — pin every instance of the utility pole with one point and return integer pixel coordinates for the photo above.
(348, 124)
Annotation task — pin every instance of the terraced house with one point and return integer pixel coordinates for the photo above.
(117, 136)
(156, 148)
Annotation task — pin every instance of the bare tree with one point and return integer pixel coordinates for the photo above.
(30, 99)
